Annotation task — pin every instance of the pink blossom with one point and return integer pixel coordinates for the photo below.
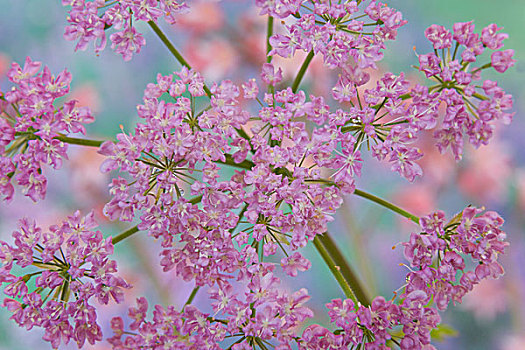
(295, 262)
(127, 42)
(73, 260)
(502, 60)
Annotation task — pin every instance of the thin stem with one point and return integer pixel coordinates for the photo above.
(405, 96)
(386, 204)
(125, 235)
(245, 164)
(185, 63)
(302, 71)
(168, 44)
(81, 142)
(480, 97)
(191, 297)
(336, 270)
(363, 262)
(455, 51)
(174, 51)
(195, 200)
(269, 33)
(242, 133)
(241, 215)
(347, 272)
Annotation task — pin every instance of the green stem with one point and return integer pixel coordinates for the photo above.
(125, 234)
(386, 204)
(269, 33)
(480, 97)
(174, 51)
(245, 164)
(336, 270)
(248, 165)
(191, 297)
(168, 44)
(302, 71)
(375, 199)
(245, 136)
(185, 63)
(345, 269)
(81, 142)
(241, 215)
(196, 199)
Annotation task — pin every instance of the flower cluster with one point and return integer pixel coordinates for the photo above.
(70, 266)
(371, 326)
(471, 108)
(179, 150)
(383, 115)
(33, 127)
(440, 276)
(339, 32)
(267, 206)
(473, 233)
(393, 113)
(250, 312)
(89, 20)
(233, 180)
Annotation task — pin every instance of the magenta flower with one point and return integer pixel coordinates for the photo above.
(88, 21)
(32, 124)
(502, 60)
(465, 99)
(231, 181)
(439, 36)
(72, 267)
(295, 262)
(127, 42)
(269, 75)
(491, 38)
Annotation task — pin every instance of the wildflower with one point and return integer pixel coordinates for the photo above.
(70, 266)
(32, 124)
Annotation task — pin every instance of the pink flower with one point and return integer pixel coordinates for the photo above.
(293, 263)
(73, 260)
(17, 74)
(269, 75)
(491, 38)
(33, 130)
(439, 36)
(127, 42)
(502, 60)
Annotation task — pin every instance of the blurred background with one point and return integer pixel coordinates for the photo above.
(226, 40)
